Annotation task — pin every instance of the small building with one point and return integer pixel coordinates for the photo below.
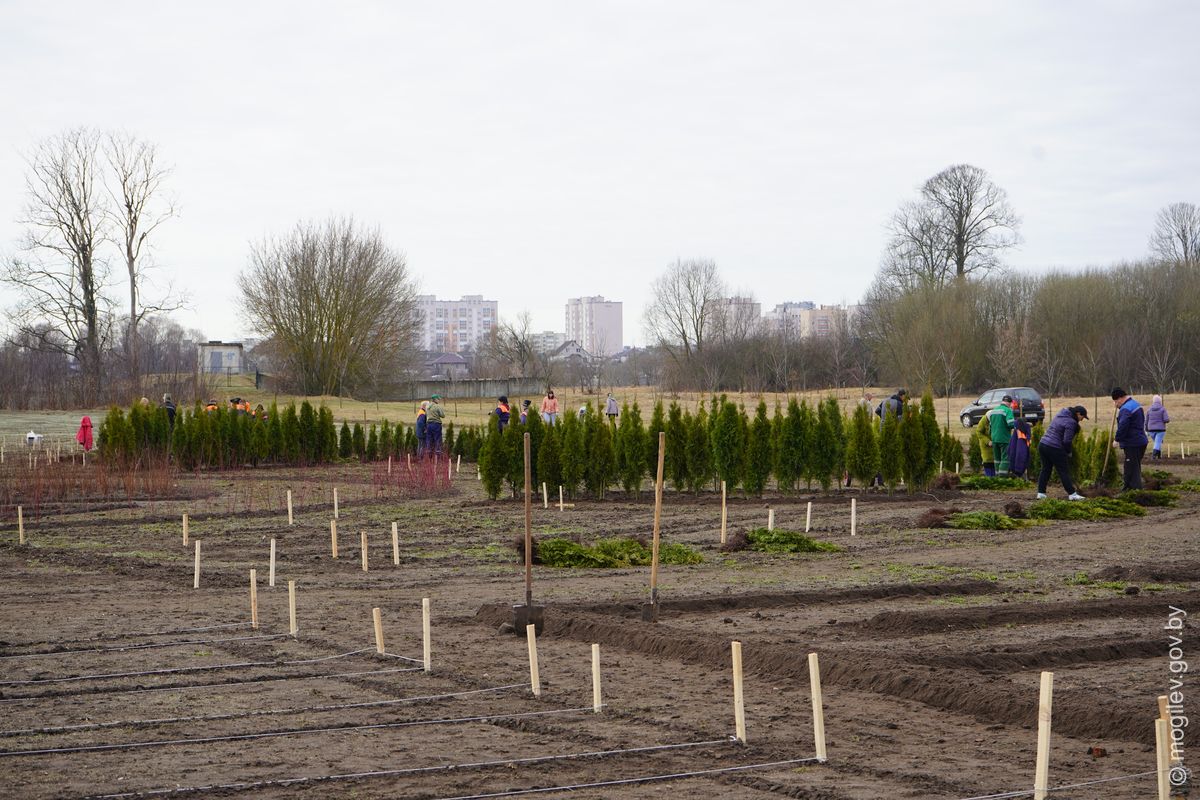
(448, 366)
(224, 358)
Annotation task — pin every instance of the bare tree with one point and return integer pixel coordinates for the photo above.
(138, 208)
(682, 307)
(513, 345)
(918, 252)
(62, 278)
(1176, 236)
(337, 302)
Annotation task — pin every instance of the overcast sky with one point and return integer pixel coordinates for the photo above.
(532, 152)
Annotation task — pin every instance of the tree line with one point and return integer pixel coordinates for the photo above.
(721, 442)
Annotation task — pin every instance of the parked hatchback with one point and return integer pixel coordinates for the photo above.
(1032, 408)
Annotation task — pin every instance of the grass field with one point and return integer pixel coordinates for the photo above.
(1184, 408)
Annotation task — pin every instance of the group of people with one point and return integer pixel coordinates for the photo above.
(429, 427)
(549, 409)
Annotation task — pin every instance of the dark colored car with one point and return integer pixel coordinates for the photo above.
(1032, 408)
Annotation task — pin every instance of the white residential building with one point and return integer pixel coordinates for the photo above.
(595, 323)
(547, 341)
(805, 319)
(452, 326)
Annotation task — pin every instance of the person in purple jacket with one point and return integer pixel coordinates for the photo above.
(1156, 423)
(1130, 436)
(1055, 450)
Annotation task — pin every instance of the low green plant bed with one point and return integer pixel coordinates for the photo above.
(785, 541)
(1189, 486)
(1094, 508)
(982, 521)
(610, 553)
(1001, 483)
(1150, 497)
(1160, 475)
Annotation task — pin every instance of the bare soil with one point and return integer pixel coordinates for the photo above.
(931, 642)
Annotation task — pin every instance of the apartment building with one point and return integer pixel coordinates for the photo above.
(595, 323)
(452, 326)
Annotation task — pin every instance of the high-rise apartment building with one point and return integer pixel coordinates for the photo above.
(452, 326)
(595, 323)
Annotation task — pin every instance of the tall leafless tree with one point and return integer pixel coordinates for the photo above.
(337, 302)
(62, 276)
(1176, 236)
(682, 308)
(136, 186)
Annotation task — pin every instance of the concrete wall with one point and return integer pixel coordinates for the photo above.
(513, 388)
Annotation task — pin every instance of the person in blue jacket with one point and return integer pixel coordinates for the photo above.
(1130, 436)
(1055, 450)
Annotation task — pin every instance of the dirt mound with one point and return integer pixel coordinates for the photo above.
(935, 517)
(1152, 573)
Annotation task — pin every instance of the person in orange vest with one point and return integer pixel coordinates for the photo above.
(503, 412)
(211, 405)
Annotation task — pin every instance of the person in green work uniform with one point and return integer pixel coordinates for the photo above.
(433, 425)
(1002, 420)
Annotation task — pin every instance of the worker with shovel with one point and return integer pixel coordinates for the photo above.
(1130, 436)
(1002, 421)
(1055, 450)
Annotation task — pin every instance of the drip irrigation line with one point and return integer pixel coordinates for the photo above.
(404, 658)
(627, 781)
(242, 737)
(260, 713)
(147, 646)
(177, 670)
(389, 773)
(108, 637)
(1063, 788)
(247, 682)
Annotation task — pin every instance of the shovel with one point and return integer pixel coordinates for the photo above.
(1112, 429)
(650, 610)
(528, 614)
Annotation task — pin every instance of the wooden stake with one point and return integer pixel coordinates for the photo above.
(560, 497)
(814, 683)
(808, 517)
(658, 494)
(254, 599)
(956, 466)
(1162, 743)
(333, 537)
(185, 530)
(389, 465)
(409, 457)
(545, 496)
(395, 545)
(535, 681)
(362, 535)
(770, 519)
(1045, 706)
(292, 609)
(449, 470)
(271, 574)
(724, 514)
(596, 703)
(20, 525)
(335, 503)
(458, 464)
(426, 637)
(377, 618)
(853, 516)
(196, 571)
(739, 705)
(291, 518)
(528, 531)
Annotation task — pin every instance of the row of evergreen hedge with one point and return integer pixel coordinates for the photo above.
(721, 442)
(296, 436)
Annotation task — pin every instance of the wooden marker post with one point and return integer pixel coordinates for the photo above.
(724, 514)
(395, 545)
(1162, 745)
(650, 610)
(560, 497)
(409, 457)
(528, 614)
(458, 463)
(535, 680)
(545, 496)
(271, 573)
(185, 530)
(814, 683)
(770, 519)
(20, 525)
(291, 517)
(449, 470)
(335, 503)
(292, 629)
(254, 599)
(739, 704)
(808, 517)
(956, 467)
(596, 702)
(389, 464)
(426, 635)
(1041, 776)
(196, 571)
(853, 516)
(333, 537)
(377, 618)
(362, 535)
